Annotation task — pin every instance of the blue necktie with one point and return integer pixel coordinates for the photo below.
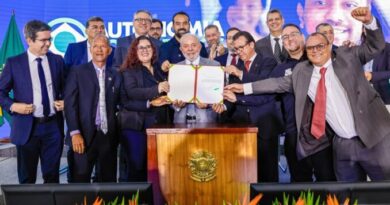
(44, 93)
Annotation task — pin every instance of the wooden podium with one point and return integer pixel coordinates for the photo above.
(199, 163)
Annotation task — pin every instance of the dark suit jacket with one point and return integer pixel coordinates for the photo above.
(264, 47)
(381, 74)
(253, 106)
(372, 120)
(222, 59)
(82, 98)
(77, 54)
(122, 46)
(16, 76)
(135, 94)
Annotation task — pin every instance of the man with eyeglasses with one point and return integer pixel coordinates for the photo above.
(36, 79)
(320, 162)
(142, 22)
(156, 29)
(79, 53)
(260, 110)
(342, 101)
(170, 52)
(271, 45)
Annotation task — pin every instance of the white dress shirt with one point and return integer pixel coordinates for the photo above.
(36, 84)
(89, 51)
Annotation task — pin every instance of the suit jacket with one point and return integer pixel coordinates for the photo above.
(82, 98)
(249, 109)
(77, 53)
(202, 115)
(122, 46)
(372, 120)
(16, 77)
(135, 94)
(264, 47)
(381, 74)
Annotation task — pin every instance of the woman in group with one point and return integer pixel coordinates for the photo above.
(143, 103)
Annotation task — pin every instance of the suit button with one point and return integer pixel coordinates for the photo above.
(243, 101)
(248, 110)
(361, 111)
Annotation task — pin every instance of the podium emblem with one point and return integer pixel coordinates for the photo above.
(203, 166)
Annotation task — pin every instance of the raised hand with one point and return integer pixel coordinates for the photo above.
(362, 14)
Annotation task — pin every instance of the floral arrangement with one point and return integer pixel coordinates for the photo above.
(305, 198)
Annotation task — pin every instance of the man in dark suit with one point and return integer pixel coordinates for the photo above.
(230, 57)
(91, 99)
(142, 21)
(261, 110)
(36, 78)
(79, 53)
(271, 45)
(352, 108)
(213, 38)
(170, 52)
(379, 74)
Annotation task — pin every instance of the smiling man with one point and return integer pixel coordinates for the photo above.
(334, 12)
(342, 102)
(91, 98)
(271, 45)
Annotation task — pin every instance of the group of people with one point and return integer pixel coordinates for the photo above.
(316, 94)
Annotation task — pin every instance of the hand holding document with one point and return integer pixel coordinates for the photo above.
(190, 84)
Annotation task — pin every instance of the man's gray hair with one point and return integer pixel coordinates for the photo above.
(189, 35)
(142, 11)
(101, 36)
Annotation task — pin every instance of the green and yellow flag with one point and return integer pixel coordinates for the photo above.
(12, 46)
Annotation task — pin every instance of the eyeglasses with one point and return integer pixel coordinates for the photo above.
(318, 47)
(144, 48)
(44, 40)
(143, 20)
(291, 35)
(240, 48)
(155, 29)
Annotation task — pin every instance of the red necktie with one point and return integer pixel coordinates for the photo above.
(318, 120)
(247, 64)
(234, 59)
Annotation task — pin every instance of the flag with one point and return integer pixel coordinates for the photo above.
(12, 46)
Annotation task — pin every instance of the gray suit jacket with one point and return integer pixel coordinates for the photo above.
(372, 120)
(202, 115)
(264, 47)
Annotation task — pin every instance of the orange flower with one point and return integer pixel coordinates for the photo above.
(300, 201)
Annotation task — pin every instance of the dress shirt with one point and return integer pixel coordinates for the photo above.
(89, 51)
(195, 62)
(273, 43)
(98, 70)
(36, 86)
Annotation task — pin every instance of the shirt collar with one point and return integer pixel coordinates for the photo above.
(32, 57)
(326, 65)
(273, 37)
(195, 62)
(97, 69)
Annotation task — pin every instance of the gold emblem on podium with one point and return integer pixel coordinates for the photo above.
(203, 166)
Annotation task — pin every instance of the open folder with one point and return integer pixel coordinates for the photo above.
(190, 84)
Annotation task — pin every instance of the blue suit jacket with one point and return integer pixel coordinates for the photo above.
(16, 76)
(381, 74)
(77, 54)
(82, 98)
(122, 46)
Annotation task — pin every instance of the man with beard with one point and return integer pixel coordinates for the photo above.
(320, 162)
(156, 29)
(213, 38)
(170, 52)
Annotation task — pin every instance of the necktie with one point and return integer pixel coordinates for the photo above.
(247, 64)
(318, 120)
(44, 93)
(234, 59)
(277, 50)
(102, 103)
